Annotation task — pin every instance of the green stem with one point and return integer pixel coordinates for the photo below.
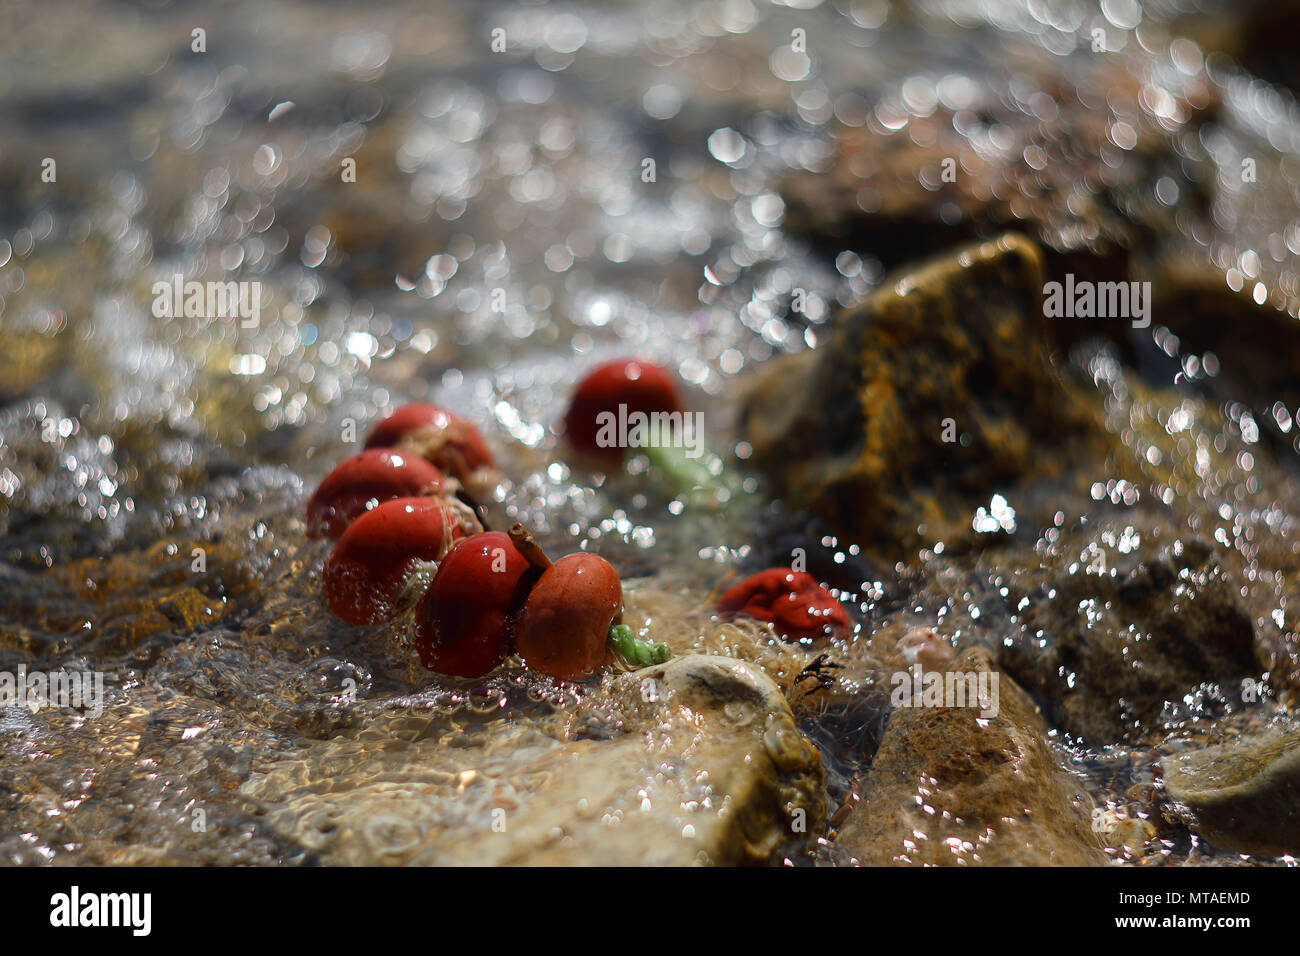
(691, 478)
(635, 652)
(683, 472)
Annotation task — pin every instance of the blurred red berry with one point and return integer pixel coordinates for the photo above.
(640, 386)
(363, 481)
(436, 434)
(798, 607)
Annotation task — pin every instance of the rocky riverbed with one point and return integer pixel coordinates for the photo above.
(839, 224)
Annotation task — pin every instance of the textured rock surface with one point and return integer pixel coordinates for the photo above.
(1242, 796)
(943, 350)
(950, 788)
(694, 761)
(1105, 647)
(1054, 172)
(1256, 345)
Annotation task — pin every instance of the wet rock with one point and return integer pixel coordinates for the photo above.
(1110, 638)
(695, 761)
(846, 695)
(1243, 796)
(1075, 165)
(948, 787)
(930, 395)
(1255, 33)
(154, 781)
(1255, 346)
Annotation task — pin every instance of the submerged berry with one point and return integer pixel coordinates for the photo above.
(564, 625)
(638, 386)
(369, 566)
(363, 481)
(464, 623)
(437, 435)
(798, 607)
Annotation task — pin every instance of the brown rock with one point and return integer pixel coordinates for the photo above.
(1257, 345)
(1059, 174)
(943, 350)
(707, 767)
(1243, 796)
(1105, 647)
(948, 787)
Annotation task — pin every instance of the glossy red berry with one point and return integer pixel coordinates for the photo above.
(464, 623)
(638, 385)
(563, 628)
(368, 568)
(438, 435)
(798, 606)
(363, 481)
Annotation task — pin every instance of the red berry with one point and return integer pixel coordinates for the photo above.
(361, 482)
(464, 623)
(440, 436)
(799, 608)
(368, 566)
(640, 386)
(564, 625)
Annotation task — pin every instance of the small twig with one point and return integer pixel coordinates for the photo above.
(820, 671)
(528, 547)
(820, 664)
(708, 601)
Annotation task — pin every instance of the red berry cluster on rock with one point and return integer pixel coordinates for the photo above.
(495, 594)
(393, 511)
(400, 526)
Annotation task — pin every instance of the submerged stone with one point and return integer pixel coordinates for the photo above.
(694, 761)
(1106, 641)
(951, 787)
(1243, 796)
(898, 194)
(1255, 345)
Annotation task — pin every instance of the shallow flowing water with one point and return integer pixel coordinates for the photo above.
(608, 185)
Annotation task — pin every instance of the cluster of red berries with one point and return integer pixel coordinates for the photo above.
(397, 506)
(393, 508)
(390, 507)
